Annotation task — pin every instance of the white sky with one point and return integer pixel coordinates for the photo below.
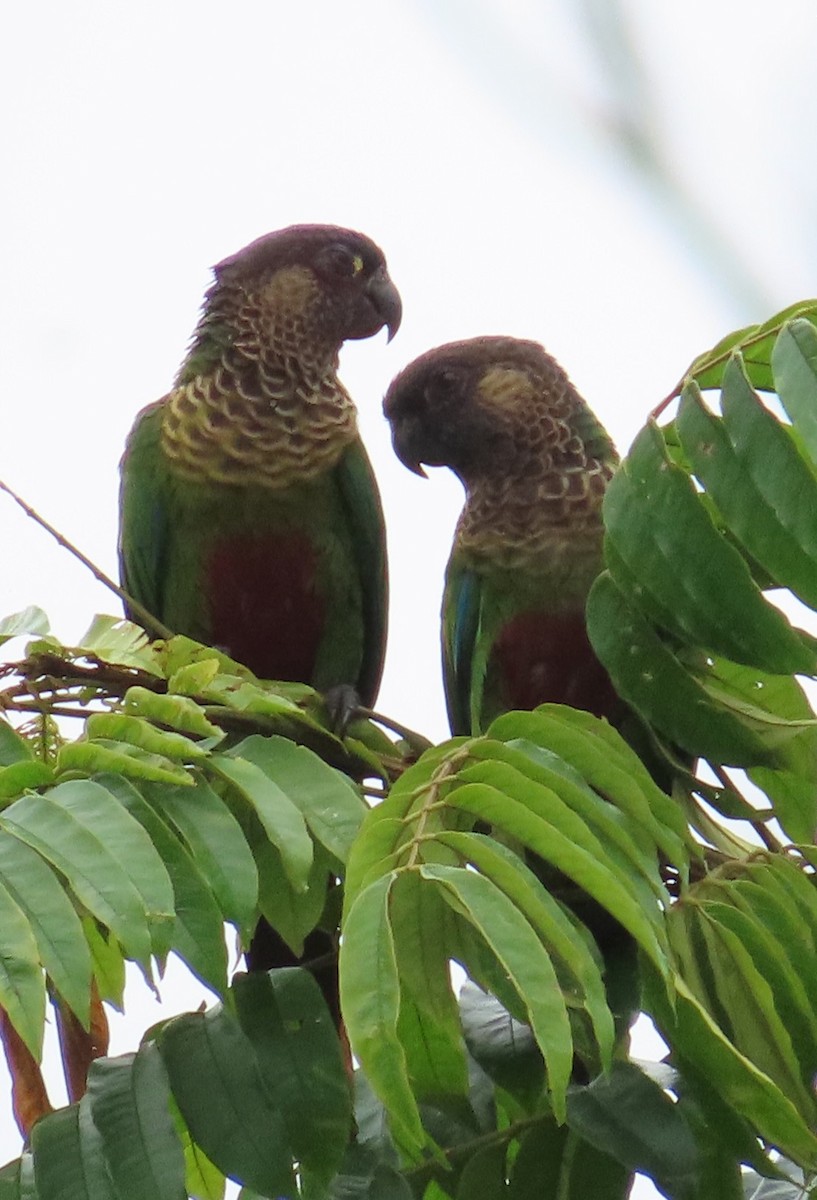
(475, 140)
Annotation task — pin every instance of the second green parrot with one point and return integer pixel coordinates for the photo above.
(535, 462)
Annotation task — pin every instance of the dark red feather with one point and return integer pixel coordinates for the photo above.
(265, 607)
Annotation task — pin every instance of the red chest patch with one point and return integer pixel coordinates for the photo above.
(265, 609)
(544, 659)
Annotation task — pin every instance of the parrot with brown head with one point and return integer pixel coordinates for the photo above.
(534, 462)
(250, 518)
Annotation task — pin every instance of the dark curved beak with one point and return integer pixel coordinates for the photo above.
(386, 300)
(403, 434)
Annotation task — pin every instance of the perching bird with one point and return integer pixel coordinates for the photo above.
(250, 517)
(535, 462)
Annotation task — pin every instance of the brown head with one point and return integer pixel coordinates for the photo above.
(307, 287)
(490, 406)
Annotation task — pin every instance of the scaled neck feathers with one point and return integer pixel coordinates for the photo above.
(257, 399)
(542, 490)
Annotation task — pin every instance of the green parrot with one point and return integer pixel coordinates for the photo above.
(249, 514)
(535, 462)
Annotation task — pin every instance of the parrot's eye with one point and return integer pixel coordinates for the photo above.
(341, 262)
(442, 386)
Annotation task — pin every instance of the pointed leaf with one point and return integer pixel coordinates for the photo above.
(215, 841)
(579, 862)
(77, 845)
(22, 987)
(756, 476)
(632, 1119)
(697, 1039)
(197, 934)
(794, 359)
(523, 956)
(135, 731)
(331, 805)
(650, 678)
(177, 712)
(657, 523)
(285, 1017)
(370, 1001)
(215, 1079)
(128, 1098)
(282, 821)
(57, 930)
(91, 758)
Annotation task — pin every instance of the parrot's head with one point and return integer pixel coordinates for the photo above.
(475, 406)
(328, 284)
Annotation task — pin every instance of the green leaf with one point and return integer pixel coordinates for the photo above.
(24, 776)
(370, 1001)
(429, 1022)
(631, 1118)
(197, 934)
(573, 808)
(77, 844)
(794, 359)
(749, 1003)
(285, 1017)
(291, 914)
(756, 476)
(756, 343)
(657, 524)
(483, 1176)
(583, 864)
(216, 843)
(31, 620)
(280, 818)
(117, 641)
(649, 677)
(59, 1170)
(331, 805)
(217, 1084)
(578, 972)
(697, 1039)
(128, 1098)
(526, 961)
(22, 987)
(108, 963)
(13, 748)
(504, 1047)
(91, 758)
(61, 944)
(177, 712)
(787, 992)
(135, 731)
(99, 812)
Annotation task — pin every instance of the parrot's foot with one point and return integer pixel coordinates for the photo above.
(343, 706)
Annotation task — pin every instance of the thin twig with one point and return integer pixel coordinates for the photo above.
(766, 836)
(145, 619)
(416, 740)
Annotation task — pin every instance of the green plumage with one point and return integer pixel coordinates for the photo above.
(250, 516)
(534, 461)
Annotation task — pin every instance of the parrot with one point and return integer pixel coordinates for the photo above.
(534, 462)
(250, 518)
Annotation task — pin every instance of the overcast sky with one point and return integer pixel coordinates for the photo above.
(625, 195)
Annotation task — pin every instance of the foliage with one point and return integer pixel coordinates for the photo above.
(571, 884)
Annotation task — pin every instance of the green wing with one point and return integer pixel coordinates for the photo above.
(464, 661)
(143, 513)
(364, 514)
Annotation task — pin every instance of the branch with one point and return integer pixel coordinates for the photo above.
(141, 614)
